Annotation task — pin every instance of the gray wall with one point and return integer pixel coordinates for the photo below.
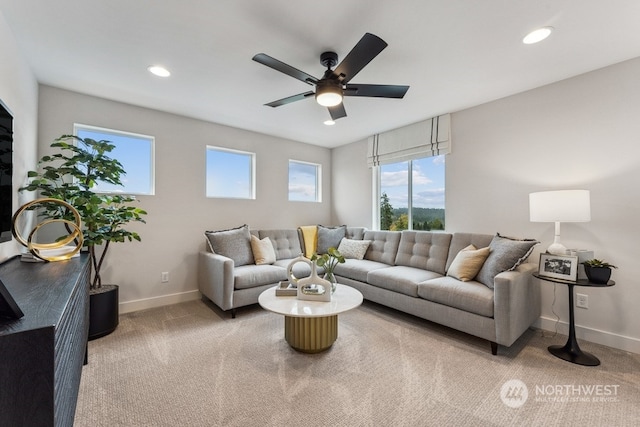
(19, 92)
(179, 212)
(580, 133)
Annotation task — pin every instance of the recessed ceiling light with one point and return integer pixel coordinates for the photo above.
(537, 35)
(159, 71)
(329, 122)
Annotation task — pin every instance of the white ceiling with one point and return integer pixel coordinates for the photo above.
(453, 53)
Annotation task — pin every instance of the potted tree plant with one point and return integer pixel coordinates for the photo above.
(70, 175)
(597, 270)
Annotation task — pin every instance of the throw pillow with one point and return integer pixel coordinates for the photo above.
(234, 243)
(263, 252)
(329, 237)
(505, 255)
(354, 249)
(467, 263)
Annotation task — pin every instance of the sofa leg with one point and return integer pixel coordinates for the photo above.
(233, 313)
(494, 348)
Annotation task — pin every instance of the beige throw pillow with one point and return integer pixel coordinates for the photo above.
(355, 249)
(467, 263)
(263, 252)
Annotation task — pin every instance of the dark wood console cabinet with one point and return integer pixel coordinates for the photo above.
(41, 354)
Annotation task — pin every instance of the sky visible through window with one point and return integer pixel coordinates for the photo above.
(229, 174)
(303, 182)
(428, 183)
(134, 152)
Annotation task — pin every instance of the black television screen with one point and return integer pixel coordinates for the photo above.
(6, 172)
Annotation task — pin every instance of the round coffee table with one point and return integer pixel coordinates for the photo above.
(311, 326)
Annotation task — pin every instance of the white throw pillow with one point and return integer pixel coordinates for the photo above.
(467, 263)
(263, 252)
(354, 249)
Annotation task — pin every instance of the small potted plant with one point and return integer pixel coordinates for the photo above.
(329, 261)
(597, 270)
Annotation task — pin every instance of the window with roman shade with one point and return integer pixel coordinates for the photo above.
(427, 138)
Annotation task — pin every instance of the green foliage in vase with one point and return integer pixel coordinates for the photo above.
(70, 175)
(329, 260)
(598, 263)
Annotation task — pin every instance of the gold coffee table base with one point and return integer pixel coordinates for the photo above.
(311, 334)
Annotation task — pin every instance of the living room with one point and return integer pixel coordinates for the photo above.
(551, 136)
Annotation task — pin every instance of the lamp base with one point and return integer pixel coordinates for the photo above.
(557, 249)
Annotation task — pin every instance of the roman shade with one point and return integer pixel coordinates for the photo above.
(427, 138)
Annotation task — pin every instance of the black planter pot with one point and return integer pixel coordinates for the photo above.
(103, 311)
(599, 275)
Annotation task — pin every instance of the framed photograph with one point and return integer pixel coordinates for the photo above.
(563, 267)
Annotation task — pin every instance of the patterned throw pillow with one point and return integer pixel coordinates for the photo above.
(467, 263)
(505, 255)
(234, 243)
(354, 249)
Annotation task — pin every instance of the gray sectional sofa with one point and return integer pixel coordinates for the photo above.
(409, 271)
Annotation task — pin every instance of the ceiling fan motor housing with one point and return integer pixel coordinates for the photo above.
(329, 59)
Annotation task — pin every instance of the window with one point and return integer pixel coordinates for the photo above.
(304, 182)
(412, 194)
(230, 173)
(136, 154)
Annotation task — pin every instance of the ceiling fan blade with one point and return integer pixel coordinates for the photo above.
(290, 99)
(337, 111)
(277, 65)
(377, 91)
(362, 53)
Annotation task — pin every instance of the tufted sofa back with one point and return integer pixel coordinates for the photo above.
(424, 249)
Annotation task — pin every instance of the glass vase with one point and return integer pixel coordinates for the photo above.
(331, 278)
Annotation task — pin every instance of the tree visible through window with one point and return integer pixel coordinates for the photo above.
(134, 151)
(423, 179)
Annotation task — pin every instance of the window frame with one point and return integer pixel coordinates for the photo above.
(78, 127)
(318, 180)
(252, 171)
(377, 191)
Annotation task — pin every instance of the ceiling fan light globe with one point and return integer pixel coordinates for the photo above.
(328, 99)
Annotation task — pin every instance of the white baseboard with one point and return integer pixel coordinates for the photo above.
(593, 335)
(143, 304)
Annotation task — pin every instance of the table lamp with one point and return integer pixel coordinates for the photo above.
(559, 206)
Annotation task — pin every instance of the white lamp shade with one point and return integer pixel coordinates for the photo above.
(560, 206)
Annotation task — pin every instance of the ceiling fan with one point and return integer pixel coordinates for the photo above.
(334, 85)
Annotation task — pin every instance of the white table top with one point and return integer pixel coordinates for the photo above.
(344, 299)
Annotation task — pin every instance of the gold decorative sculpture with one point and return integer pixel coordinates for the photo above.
(36, 248)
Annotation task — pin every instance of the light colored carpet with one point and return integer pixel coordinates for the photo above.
(192, 365)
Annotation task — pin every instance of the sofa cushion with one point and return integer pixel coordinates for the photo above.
(286, 242)
(400, 279)
(469, 296)
(355, 249)
(357, 269)
(460, 241)
(423, 249)
(234, 243)
(263, 252)
(505, 255)
(308, 235)
(383, 247)
(355, 233)
(329, 237)
(250, 276)
(467, 263)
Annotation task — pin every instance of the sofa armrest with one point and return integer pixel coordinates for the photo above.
(215, 278)
(516, 303)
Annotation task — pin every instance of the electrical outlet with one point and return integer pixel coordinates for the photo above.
(582, 300)
(164, 276)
